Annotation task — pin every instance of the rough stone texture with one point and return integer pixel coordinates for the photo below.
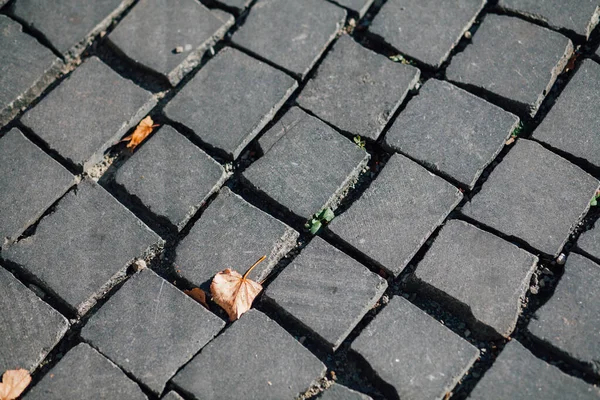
(80, 250)
(30, 327)
(484, 276)
(100, 105)
(239, 5)
(518, 374)
(339, 392)
(30, 180)
(534, 195)
(172, 396)
(232, 234)
(26, 68)
(419, 357)
(451, 130)
(150, 329)
(292, 34)
(572, 123)
(230, 100)
(569, 320)
(85, 374)
(323, 282)
(356, 89)
(359, 6)
(309, 166)
(589, 242)
(261, 354)
(171, 176)
(423, 29)
(147, 35)
(403, 195)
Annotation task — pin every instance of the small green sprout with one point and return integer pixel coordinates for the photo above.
(360, 142)
(595, 199)
(319, 219)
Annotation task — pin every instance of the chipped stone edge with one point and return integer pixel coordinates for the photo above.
(284, 245)
(336, 198)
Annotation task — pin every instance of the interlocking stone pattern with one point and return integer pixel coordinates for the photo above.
(457, 146)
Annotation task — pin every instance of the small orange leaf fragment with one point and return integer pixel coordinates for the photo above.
(14, 382)
(197, 294)
(142, 131)
(511, 140)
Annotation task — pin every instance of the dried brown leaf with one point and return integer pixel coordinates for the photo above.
(197, 294)
(14, 382)
(142, 131)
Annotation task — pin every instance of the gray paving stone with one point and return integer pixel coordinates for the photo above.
(339, 392)
(356, 89)
(83, 248)
(589, 242)
(309, 167)
(150, 329)
(232, 233)
(30, 180)
(480, 275)
(292, 34)
(30, 327)
(101, 107)
(323, 282)
(572, 123)
(171, 176)
(359, 6)
(514, 59)
(26, 68)
(172, 396)
(403, 195)
(518, 374)
(147, 35)
(270, 363)
(419, 357)
(451, 130)
(237, 4)
(534, 195)
(230, 100)
(423, 29)
(85, 374)
(569, 320)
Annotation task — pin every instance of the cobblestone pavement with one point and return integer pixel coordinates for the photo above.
(458, 145)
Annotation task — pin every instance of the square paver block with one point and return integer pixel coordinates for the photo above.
(518, 374)
(30, 327)
(292, 34)
(30, 180)
(419, 357)
(232, 234)
(359, 6)
(85, 374)
(356, 89)
(451, 130)
(339, 392)
(171, 176)
(169, 36)
(322, 282)
(534, 195)
(309, 167)
(150, 329)
(88, 113)
(480, 275)
(84, 247)
(254, 351)
(589, 242)
(514, 59)
(403, 195)
(572, 123)
(423, 29)
(230, 100)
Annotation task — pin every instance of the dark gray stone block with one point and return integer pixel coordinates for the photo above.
(83, 248)
(85, 374)
(150, 329)
(403, 195)
(101, 107)
(356, 89)
(534, 195)
(172, 396)
(359, 6)
(309, 166)
(518, 374)
(451, 130)
(232, 234)
(292, 34)
(339, 392)
(322, 282)
(30, 327)
(30, 180)
(169, 36)
(484, 276)
(230, 100)
(419, 357)
(589, 242)
(423, 29)
(269, 362)
(514, 59)
(171, 176)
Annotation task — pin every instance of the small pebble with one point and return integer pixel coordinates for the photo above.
(533, 290)
(476, 374)
(467, 333)
(562, 258)
(302, 339)
(178, 50)
(187, 47)
(468, 35)
(139, 265)
(542, 283)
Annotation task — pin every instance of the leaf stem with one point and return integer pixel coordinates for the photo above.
(252, 267)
